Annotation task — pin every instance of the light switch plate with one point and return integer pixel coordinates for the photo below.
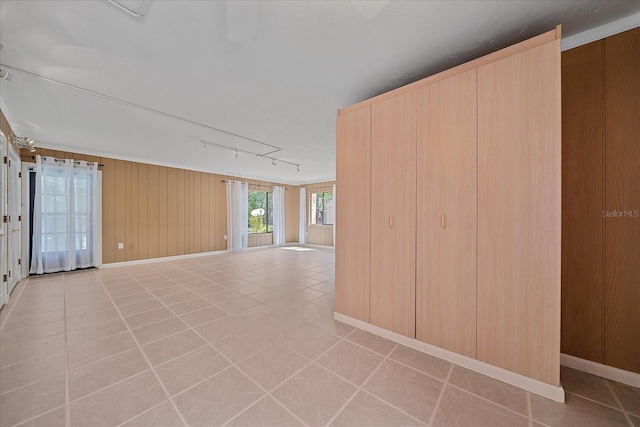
(120, 245)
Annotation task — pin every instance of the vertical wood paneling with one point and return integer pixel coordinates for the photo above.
(134, 243)
(204, 213)
(519, 213)
(163, 221)
(172, 212)
(583, 202)
(108, 211)
(120, 208)
(197, 218)
(212, 209)
(181, 212)
(393, 221)
(158, 211)
(143, 220)
(447, 156)
(221, 224)
(128, 235)
(152, 211)
(192, 212)
(622, 228)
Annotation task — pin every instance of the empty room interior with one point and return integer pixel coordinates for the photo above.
(320, 213)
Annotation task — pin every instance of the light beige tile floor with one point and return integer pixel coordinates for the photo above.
(245, 339)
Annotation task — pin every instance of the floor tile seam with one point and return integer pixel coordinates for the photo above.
(277, 402)
(365, 391)
(120, 381)
(442, 390)
(30, 357)
(32, 382)
(157, 377)
(23, 422)
(67, 414)
(144, 412)
(619, 409)
(13, 305)
(529, 410)
(619, 402)
(235, 365)
(43, 313)
(133, 295)
(525, 416)
(369, 349)
(358, 388)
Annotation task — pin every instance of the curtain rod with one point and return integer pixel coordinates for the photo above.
(75, 162)
(257, 185)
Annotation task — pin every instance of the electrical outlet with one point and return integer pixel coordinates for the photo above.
(120, 245)
(225, 237)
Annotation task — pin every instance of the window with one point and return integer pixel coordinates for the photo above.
(260, 211)
(321, 208)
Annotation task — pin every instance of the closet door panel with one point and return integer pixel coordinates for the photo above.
(393, 214)
(353, 232)
(519, 213)
(622, 238)
(446, 222)
(582, 202)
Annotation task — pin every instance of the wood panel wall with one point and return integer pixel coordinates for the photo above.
(582, 202)
(601, 171)
(158, 211)
(622, 195)
(318, 234)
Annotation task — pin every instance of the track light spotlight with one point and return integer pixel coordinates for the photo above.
(298, 167)
(4, 74)
(273, 162)
(236, 154)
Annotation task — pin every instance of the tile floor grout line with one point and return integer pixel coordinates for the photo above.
(444, 386)
(4, 322)
(235, 364)
(23, 422)
(529, 411)
(143, 412)
(231, 365)
(359, 388)
(67, 411)
(175, 407)
(622, 408)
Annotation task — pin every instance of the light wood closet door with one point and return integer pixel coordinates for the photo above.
(519, 213)
(446, 223)
(353, 214)
(393, 214)
(622, 231)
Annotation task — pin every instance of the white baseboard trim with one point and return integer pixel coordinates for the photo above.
(517, 380)
(604, 371)
(163, 259)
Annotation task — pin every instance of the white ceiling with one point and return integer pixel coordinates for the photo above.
(283, 86)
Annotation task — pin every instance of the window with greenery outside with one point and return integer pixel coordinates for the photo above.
(322, 208)
(260, 211)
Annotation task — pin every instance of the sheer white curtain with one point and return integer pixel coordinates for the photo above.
(67, 214)
(278, 216)
(302, 224)
(334, 215)
(237, 216)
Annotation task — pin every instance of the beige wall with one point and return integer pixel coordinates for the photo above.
(158, 211)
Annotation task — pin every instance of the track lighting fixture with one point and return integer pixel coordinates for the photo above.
(237, 151)
(4, 74)
(24, 142)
